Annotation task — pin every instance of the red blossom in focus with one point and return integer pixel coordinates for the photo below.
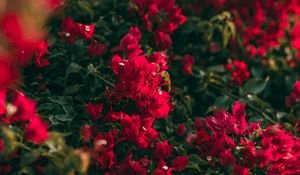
(72, 30)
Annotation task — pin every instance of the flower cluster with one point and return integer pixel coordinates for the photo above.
(18, 47)
(239, 72)
(241, 146)
(162, 17)
(294, 97)
(139, 79)
(261, 24)
(109, 102)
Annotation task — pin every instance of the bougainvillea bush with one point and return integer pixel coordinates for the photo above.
(162, 87)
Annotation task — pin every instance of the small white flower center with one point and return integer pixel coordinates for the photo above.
(145, 129)
(68, 34)
(121, 64)
(209, 158)
(165, 167)
(159, 92)
(87, 28)
(101, 142)
(11, 110)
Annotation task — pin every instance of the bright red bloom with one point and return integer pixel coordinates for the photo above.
(129, 44)
(163, 169)
(226, 158)
(11, 27)
(23, 109)
(94, 110)
(139, 80)
(71, 30)
(163, 150)
(180, 163)
(36, 131)
(40, 50)
(105, 160)
(129, 166)
(160, 59)
(105, 142)
(138, 130)
(240, 170)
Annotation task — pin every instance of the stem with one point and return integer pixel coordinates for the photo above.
(104, 80)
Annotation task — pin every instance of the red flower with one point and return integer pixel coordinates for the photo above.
(72, 30)
(294, 95)
(40, 50)
(240, 170)
(181, 129)
(86, 133)
(3, 93)
(11, 27)
(180, 162)
(239, 72)
(97, 49)
(163, 169)
(94, 110)
(163, 150)
(138, 131)
(23, 109)
(160, 59)
(129, 166)
(85, 31)
(162, 40)
(36, 131)
(226, 158)
(1, 145)
(8, 72)
(106, 142)
(238, 111)
(188, 61)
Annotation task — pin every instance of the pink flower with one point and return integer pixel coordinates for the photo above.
(36, 131)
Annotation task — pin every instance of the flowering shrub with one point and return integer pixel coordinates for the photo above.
(149, 87)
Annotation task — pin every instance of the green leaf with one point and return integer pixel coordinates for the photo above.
(195, 159)
(222, 102)
(28, 158)
(73, 89)
(72, 68)
(255, 86)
